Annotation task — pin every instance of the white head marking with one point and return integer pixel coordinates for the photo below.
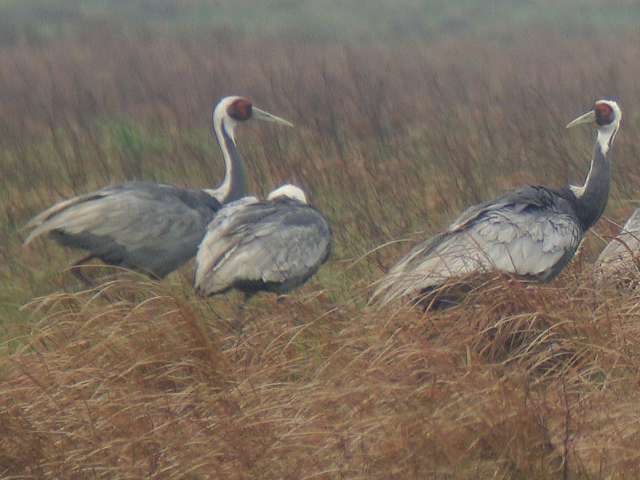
(289, 191)
(221, 116)
(607, 133)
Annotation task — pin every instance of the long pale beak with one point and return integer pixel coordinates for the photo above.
(589, 117)
(268, 117)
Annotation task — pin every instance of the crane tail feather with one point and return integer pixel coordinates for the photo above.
(42, 223)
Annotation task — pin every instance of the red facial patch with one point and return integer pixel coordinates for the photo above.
(240, 109)
(603, 109)
(604, 113)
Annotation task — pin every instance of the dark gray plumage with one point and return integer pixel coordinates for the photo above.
(147, 227)
(532, 232)
(618, 264)
(274, 246)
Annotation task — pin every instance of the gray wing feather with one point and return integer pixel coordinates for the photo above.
(221, 237)
(279, 243)
(616, 261)
(530, 233)
(517, 201)
(146, 226)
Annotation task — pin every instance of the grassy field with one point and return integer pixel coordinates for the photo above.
(392, 139)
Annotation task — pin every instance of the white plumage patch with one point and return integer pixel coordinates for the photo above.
(289, 191)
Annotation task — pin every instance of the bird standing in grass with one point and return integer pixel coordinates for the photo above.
(149, 227)
(532, 232)
(273, 245)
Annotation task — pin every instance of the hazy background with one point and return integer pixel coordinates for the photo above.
(329, 20)
(406, 112)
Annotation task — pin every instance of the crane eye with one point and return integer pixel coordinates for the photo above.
(604, 114)
(240, 110)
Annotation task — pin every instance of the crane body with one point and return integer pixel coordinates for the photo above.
(274, 245)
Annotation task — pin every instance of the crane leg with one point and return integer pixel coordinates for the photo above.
(239, 322)
(76, 270)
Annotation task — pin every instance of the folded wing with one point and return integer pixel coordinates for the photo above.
(529, 233)
(274, 246)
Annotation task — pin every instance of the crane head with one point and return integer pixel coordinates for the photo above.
(606, 117)
(235, 109)
(289, 191)
(605, 114)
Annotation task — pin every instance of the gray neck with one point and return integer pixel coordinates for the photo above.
(592, 197)
(234, 185)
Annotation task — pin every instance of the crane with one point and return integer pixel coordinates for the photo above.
(149, 227)
(273, 245)
(532, 232)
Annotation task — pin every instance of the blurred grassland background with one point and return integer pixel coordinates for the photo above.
(406, 112)
(319, 19)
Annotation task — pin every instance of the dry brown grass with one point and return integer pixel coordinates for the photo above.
(520, 382)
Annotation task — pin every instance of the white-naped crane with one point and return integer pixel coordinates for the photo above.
(149, 227)
(273, 245)
(532, 232)
(619, 263)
